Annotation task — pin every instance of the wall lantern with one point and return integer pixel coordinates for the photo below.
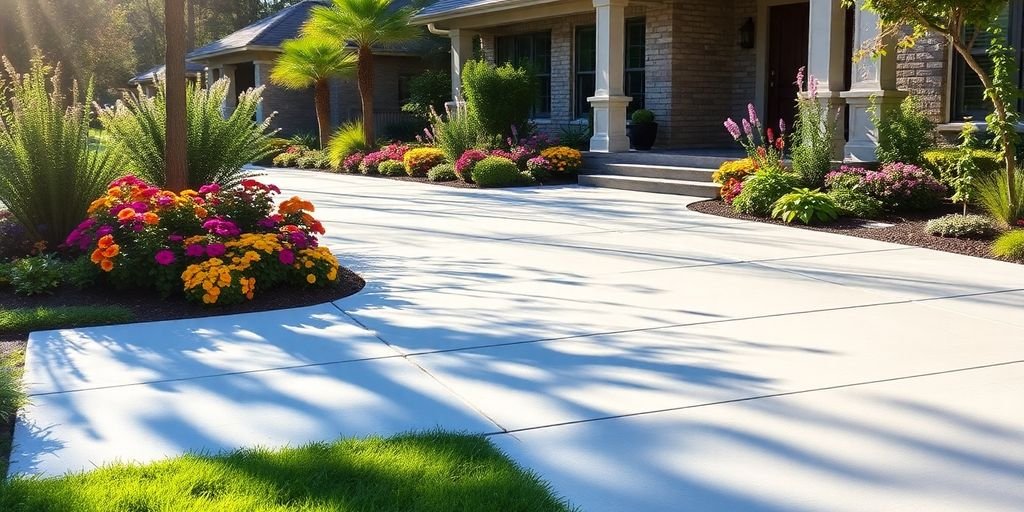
(747, 34)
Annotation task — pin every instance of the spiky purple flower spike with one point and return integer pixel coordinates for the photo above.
(733, 128)
(782, 125)
(752, 112)
(800, 79)
(746, 128)
(812, 86)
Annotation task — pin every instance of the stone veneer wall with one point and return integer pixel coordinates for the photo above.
(294, 111)
(923, 71)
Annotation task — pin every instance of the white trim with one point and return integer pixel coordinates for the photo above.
(491, 7)
(981, 126)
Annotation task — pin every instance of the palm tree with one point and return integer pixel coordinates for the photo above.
(311, 61)
(175, 144)
(365, 24)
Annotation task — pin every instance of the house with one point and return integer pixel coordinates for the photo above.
(247, 56)
(147, 79)
(696, 62)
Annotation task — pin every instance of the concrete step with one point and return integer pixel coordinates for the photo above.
(711, 161)
(656, 185)
(655, 171)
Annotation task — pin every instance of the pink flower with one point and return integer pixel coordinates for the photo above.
(812, 86)
(216, 250)
(752, 112)
(164, 257)
(211, 188)
(746, 128)
(733, 129)
(782, 126)
(175, 238)
(195, 251)
(800, 79)
(286, 257)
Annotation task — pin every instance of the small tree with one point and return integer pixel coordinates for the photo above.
(499, 97)
(966, 168)
(949, 19)
(311, 61)
(366, 24)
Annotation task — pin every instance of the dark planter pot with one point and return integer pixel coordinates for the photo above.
(642, 135)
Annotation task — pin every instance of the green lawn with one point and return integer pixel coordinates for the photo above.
(412, 472)
(23, 320)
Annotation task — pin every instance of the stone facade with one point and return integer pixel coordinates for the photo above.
(293, 110)
(923, 70)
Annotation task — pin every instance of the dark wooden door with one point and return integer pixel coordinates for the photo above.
(787, 53)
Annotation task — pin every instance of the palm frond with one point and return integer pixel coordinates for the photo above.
(310, 59)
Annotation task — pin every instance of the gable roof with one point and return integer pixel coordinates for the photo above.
(268, 34)
(191, 69)
(442, 9)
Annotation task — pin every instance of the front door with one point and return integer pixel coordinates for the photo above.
(787, 53)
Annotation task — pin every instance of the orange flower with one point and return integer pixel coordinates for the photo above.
(295, 204)
(107, 265)
(126, 215)
(97, 204)
(310, 278)
(188, 193)
(105, 242)
(114, 191)
(97, 256)
(201, 212)
(151, 218)
(112, 251)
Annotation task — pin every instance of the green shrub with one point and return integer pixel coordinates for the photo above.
(81, 273)
(392, 168)
(49, 174)
(420, 160)
(962, 226)
(994, 198)
(443, 172)
(576, 136)
(287, 159)
(526, 178)
(812, 140)
(428, 92)
(852, 202)
(35, 275)
(314, 159)
(1010, 245)
(642, 116)
(809, 206)
(500, 97)
(495, 171)
(347, 140)
(761, 190)
(904, 134)
(942, 162)
(218, 148)
(458, 133)
(307, 140)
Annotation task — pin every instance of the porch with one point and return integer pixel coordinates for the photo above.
(685, 172)
(691, 63)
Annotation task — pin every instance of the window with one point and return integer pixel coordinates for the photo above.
(532, 51)
(585, 64)
(968, 92)
(404, 88)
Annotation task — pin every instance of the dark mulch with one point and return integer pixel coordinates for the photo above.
(907, 229)
(148, 306)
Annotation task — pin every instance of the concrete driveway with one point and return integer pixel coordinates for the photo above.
(637, 355)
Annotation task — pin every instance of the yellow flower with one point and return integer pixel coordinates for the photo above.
(311, 279)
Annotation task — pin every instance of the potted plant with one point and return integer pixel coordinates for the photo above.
(644, 130)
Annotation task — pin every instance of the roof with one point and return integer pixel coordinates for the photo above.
(444, 8)
(191, 68)
(268, 34)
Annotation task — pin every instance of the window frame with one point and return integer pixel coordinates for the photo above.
(960, 70)
(510, 48)
(581, 107)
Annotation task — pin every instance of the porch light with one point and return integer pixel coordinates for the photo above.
(747, 34)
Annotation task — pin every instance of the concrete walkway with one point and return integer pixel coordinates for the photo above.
(637, 355)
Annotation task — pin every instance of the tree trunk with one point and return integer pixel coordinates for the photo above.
(175, 147)
(365, 77)
(322, 95)
(1009, 151)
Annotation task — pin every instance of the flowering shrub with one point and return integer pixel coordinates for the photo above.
(730, 176)
(351, 162)
(421, 160)
(762, 146)
(217, 244)
(464, 165)
(563, 159)
(539, 168)
(370, 164)
(730, 189)
(288, 157)
(899, 186)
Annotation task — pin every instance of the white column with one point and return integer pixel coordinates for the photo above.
(609, 102)
(462, 51)
(826, 56)
(259, 68)
(874, 79)
(231, 100)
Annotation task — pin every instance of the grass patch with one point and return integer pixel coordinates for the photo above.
(411, 472)
(23, 320)
(12, 397)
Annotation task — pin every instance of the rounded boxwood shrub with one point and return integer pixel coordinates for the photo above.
(852, 202)
(421, 160)
(443, 172)
(1010, 245)
(761, 190)
(962, 226)
(391, 168)
(495, 171)
(942, 162)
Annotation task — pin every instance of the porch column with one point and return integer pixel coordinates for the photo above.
(231, 100)
(826, 56)
(609, 101)
(462, 51)
(261, 76)
(874, 79)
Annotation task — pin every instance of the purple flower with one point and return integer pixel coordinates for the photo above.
(800, 79)
(298, 239)
(164, 257)
(175, 238)
(195, 251)
(139, 207)
(216, 250)
(752, 112)
(221, 227)
(286, 257)
(782, 125)
(746, 128)
(104, 230)
(812, 86)
(733, 129)
(164, 201)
